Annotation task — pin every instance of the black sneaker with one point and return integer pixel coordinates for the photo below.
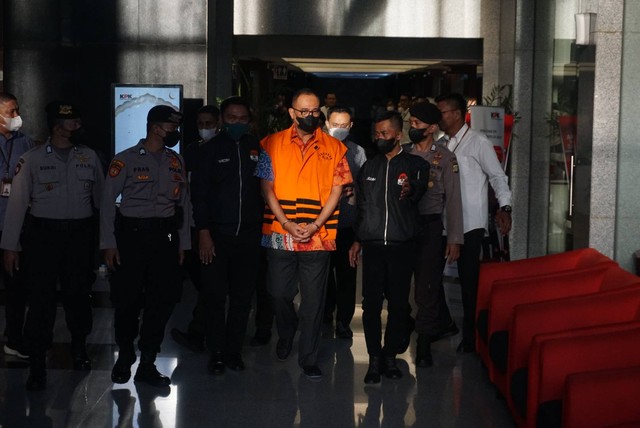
(148, 374)
(312, 372)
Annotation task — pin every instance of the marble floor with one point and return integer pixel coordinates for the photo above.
(455, 392)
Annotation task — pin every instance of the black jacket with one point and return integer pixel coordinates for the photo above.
(225, 195)
(383, 218)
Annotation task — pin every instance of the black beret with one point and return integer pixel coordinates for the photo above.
(164, 114)
(426, 112)
(61, 110)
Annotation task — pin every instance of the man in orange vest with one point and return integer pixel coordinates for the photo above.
(302, 171)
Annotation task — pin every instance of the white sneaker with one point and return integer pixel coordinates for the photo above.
(14, 352)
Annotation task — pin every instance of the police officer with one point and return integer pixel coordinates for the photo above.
(62, 183)
(228, 208)
(144, 242)
(433, 320)
(13, 144)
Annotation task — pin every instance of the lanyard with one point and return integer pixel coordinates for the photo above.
(7, 159)
(461, 138)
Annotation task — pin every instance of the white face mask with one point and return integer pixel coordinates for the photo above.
(339, 133)
(207, 134)
(12, 123)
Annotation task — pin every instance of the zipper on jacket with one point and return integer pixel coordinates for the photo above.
(386, 202)
(240, 194)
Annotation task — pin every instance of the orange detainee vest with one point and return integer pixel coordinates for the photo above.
(302, 185)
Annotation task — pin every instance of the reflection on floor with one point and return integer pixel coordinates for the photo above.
(454, 393)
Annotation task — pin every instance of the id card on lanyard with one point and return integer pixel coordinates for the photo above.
(5, 191)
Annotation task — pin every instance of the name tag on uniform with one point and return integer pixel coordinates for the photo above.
(6, 187)
(223, 160)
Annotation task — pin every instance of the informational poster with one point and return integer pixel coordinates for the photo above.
(491, 121)
(131, 103)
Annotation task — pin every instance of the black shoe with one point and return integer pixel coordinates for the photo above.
(283, 348)
(451, 330)
(148, 374)
(343, 331)
(121, 372)
(423, 352)
(187, 340)
(373, 373)
(81, 360)
(216, 363)
(234, 362)
(261, 338)
(391, 370)
(312, 372)
(465, 348)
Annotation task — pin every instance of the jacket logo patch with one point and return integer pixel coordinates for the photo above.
(325, 156)
(224, 160)
(253, 155)
(142, 177)
(402, 178)
(371, 179)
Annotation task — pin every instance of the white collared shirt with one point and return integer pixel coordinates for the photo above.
(478, 166)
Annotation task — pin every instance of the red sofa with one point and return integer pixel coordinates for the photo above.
(555, 356)
(492, 272)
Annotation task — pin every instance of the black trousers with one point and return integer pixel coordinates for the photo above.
(15, 295)
(58, 251)
(148, 279)
(341, 288)
(231, 276)
(469, 271)
(386, 273)
(192, 265)
(433, 313)
(290, 272)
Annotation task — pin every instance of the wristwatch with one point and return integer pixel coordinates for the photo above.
(506, 209)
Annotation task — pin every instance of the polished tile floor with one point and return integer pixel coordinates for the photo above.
(455, 392)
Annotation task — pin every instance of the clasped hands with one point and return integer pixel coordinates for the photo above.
(300, 232)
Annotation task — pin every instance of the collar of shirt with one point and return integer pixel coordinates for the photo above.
(295, 138)
(453, 142)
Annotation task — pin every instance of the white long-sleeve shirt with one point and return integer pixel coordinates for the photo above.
(478, 166)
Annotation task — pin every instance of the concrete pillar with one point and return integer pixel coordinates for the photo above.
(606, 125)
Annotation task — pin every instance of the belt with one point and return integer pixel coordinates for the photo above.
(61, 225)
(150, 223)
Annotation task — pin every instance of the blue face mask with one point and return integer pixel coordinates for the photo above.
(235, 131)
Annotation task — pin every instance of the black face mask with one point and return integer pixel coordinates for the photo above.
(416, 135)
(309, 123)
(77, 136)
(385, 146)
(171, 138)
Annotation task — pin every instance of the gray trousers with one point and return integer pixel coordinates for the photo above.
(304, 272)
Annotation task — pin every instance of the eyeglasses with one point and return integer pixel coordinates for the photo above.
(305, 112)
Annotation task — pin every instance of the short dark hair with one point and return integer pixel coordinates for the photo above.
(393, 116)
(339, 109)
(235, 100)
(6, 96)
(209, 109)
(456, 100)
(303, 91)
